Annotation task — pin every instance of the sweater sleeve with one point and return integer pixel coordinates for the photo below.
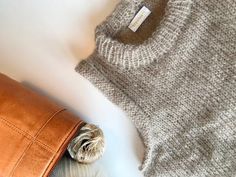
(92, 71)
(102, 77)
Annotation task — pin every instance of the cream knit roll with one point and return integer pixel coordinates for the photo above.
(68, 167)
(86, 147)
(176, 78)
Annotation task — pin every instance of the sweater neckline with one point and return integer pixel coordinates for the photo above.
(130, 56)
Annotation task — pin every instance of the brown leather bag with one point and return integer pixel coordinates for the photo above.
(34, 131)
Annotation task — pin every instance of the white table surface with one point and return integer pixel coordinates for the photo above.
(41, 41)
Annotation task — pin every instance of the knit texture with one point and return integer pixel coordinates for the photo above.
(175, 78)
(68, 167)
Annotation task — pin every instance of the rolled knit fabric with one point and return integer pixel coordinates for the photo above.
(68, 167)
(175, 78)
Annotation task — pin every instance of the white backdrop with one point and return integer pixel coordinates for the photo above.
(40, 44)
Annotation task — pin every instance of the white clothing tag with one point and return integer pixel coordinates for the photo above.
(139, 18)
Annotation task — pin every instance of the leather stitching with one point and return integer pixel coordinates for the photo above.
(23, 133)
(77, 125)
(33, 140)
(16, 129)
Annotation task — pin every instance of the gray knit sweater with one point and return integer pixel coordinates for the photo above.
(176, 78)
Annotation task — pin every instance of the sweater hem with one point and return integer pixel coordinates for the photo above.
(88, 69)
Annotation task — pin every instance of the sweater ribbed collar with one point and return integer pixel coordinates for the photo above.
(132, 56)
